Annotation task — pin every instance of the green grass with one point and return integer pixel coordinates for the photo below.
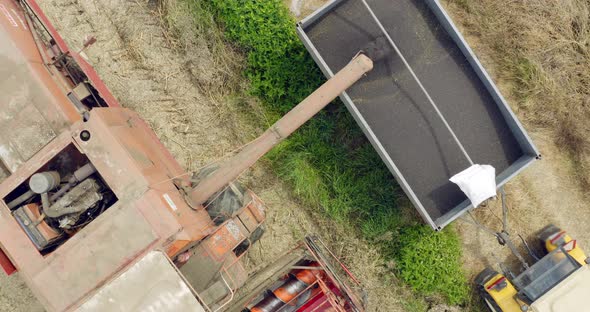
(328, 162)
(425, 263)
(526, 75)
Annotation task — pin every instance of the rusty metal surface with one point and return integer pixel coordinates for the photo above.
(6, 264)
(152, 284)
(265, 277)
(37, 121)
(34, 108)
(131, 160)
(138, 222)
(150, 212)
(93, 77)
(209, 257)
(91, 258)
(42, 235)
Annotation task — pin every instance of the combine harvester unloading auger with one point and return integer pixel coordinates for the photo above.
(433, 114)
(93, 205)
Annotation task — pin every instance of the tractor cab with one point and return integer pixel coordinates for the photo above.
(545, 274)
(559, 281)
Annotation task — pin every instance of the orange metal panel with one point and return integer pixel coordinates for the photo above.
(32, 211)
(91, 257)
(256, 207)
(177, 247)
(6, 264)
(123, 164)
(248, 219)
(224, 240)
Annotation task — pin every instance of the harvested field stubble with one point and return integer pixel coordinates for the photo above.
(537, 52)
(543, 47)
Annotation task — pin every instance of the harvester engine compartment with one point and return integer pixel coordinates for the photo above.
(59, 199)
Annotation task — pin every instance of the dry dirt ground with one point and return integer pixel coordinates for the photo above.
(184, 84)
(549, 191)
(546, 192)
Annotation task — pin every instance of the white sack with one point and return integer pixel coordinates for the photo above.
(478, 182)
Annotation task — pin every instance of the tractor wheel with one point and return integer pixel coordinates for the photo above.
(547, 231)
(226, 203)
(254, 237)
(257, 234)
(490, 303)
(480, 280)
(544, 234)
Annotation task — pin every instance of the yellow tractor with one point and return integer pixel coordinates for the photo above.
(557, 282)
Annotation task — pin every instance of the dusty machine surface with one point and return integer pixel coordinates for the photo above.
(93, 205)
(559, 281)
(395, 113)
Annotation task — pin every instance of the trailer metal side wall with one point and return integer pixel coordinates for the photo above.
(396, 116)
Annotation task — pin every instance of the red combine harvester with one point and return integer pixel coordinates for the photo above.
(97, 215)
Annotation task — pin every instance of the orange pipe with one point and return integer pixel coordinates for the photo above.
(296, 284)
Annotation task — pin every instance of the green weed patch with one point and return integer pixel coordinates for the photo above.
(328, 162)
